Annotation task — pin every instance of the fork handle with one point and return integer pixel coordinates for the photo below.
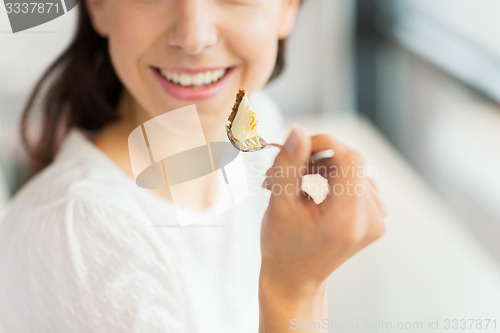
(327, 153)
(277, 145)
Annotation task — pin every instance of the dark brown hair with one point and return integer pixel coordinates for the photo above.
(80, 89)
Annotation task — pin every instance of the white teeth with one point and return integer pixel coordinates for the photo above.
(186, 80)
(207, 78)
(175, 77)
(199, 79)
(218, 74)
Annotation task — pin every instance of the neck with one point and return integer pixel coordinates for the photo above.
(112, 140)
(132, 115)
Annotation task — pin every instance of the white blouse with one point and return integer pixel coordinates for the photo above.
(83, 249)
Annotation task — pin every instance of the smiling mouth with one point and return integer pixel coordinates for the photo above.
(199, 80)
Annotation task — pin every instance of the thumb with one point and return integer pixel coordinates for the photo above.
(284, 177)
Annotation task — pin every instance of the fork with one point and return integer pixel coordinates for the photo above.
(254, 145)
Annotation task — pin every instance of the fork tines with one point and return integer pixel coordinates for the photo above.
(255, 143)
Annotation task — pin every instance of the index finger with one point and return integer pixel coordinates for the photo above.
(344, 172)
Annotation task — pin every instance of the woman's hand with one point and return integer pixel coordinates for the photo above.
(302, 242)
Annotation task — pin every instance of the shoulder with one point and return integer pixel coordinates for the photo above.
(80, 173)
(73, 241)
(78, 194)
(80, 205)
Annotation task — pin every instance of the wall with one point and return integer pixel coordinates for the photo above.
(318, 77)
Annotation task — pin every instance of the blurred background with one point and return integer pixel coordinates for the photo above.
(415, 85)
(426, 74)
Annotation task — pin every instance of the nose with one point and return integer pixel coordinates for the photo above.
(193, 29)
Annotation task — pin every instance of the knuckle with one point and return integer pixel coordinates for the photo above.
(355, 157)
(325, 140)
(352, 234)
(378, 229)
(351, 158)
(384, 210)
(361, 232)
(324, 136)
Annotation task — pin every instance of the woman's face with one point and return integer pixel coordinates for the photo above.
(171, 53)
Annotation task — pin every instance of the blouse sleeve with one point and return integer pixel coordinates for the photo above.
(87, 266)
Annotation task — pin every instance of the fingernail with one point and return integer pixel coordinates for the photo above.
(265, 183)
(291, 142)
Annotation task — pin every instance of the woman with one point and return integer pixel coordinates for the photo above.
(77, 243)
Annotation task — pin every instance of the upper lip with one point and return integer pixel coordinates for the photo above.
(190, 70)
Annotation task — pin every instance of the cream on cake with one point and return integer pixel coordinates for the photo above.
(242, 121)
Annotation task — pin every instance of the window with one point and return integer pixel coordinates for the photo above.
(428, 75)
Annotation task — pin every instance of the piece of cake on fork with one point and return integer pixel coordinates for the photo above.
(243, 122)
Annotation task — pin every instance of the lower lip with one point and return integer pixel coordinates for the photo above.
(191, 93)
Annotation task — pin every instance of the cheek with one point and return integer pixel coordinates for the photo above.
(256, 43)
(130, 36)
